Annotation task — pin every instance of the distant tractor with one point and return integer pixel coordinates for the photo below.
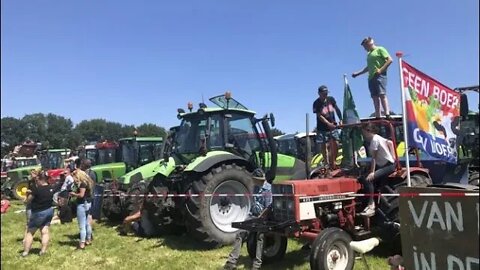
(132, 153)
(100, 153)
(215, 150)
(52, 160)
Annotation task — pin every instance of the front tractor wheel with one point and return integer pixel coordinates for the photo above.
(331, 250)
(210, 216)
(274, 247)
(19, 189)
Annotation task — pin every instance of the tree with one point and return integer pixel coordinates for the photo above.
(150, 130)
(12, 134)
(391, 113)
(277, 132)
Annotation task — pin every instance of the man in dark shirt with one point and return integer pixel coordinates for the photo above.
(324, 108)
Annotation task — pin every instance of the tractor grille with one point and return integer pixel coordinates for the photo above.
(283, 202)
(14, 176)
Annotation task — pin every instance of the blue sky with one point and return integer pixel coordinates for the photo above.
(138, 61)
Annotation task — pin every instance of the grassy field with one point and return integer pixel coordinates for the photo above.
(112, 251)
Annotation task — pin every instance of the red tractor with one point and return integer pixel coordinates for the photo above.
(324, 212)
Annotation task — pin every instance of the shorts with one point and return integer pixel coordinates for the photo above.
(28, 214)
(325, 136)
(40, 219)
(378, 85)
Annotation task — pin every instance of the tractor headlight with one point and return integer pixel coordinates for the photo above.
(278, 204)
(290, 205)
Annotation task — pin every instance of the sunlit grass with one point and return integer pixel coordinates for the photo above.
(111, 251)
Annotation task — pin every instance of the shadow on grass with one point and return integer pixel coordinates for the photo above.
(181, 242)
(291, 260)
(72, 240)
(32, 251)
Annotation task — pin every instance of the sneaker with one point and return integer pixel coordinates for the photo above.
(368, 211)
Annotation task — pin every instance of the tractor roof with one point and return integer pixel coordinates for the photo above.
(213, 110)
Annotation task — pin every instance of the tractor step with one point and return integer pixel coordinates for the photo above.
(361, 234)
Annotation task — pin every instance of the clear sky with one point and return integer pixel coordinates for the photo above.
(138, 61)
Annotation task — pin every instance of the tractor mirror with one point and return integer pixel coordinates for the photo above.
(463, 105)
(272, 119)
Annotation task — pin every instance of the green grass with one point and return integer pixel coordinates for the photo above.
(111, 251)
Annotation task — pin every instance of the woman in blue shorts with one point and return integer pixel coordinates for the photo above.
(40, 200)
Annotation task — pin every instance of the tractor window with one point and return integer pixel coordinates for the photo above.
(128, 152)
(105, 156)
(190, 133)
(242, 134)
(146, 152)
(92, 155)
(216, 138)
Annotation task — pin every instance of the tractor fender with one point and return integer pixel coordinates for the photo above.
(163, 167)
(414, 170)
(204, 163)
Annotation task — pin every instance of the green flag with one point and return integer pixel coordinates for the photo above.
(351, 137)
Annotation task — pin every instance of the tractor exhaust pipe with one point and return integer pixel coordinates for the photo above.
(272, 171)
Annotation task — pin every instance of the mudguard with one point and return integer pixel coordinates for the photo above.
(162, 167)
(204, 163)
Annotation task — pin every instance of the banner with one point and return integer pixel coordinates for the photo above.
(351, 137)
(431, 111)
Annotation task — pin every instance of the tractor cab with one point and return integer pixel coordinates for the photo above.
(53, 160)
(138, 151)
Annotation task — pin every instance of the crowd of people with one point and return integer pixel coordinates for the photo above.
(42, 197)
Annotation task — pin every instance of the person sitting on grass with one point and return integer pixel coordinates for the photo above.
(41, 202)
(259, 208)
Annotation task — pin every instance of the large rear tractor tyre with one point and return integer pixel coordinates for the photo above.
(135, 198)
(331, 250)
(473, 178)
(111, 207)
(209, 218)
(390, 207)
(274, 247)
(19, 189)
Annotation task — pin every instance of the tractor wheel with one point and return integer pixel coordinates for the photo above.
(390, 207)
(331, 250)
(209, 218)
(274, 247)
(135, 197)
(19, 189)
(110, 207)
(473, 178)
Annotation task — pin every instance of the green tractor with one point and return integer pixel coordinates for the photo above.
(131, 153)
(215, 151)
(99, 153)
(52, 160)
(468, 137)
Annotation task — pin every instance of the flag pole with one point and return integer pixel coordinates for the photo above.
(404, 118)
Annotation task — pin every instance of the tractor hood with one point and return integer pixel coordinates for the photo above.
(108, 166)
(26, 168)
(147, 171)
(204, 162)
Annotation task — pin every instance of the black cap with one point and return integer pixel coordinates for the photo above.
(322, 88)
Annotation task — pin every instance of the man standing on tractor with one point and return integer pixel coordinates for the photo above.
(263, 199)
(378, 61)
(325, 107)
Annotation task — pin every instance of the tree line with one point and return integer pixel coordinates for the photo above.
(55, 131)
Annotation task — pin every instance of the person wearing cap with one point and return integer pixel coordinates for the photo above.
(325, 107)
(262, 201)
(378, 61)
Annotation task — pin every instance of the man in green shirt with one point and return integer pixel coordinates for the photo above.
(378, 61)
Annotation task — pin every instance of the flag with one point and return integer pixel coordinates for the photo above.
(432, 109)
(351, 137)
